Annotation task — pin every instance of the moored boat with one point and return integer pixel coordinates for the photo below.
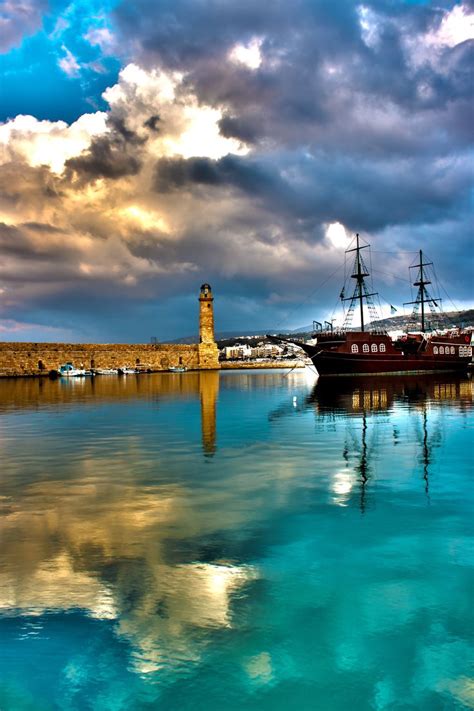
(177, 369)
(372, 351)
(69, 371)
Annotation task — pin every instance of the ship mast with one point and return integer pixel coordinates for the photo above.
(422, 297)
(360, 291)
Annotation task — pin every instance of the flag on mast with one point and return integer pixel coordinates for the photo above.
(393, 310)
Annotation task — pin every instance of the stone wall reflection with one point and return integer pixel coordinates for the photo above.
(36, 393)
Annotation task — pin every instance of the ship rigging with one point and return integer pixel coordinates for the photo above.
(371, 351)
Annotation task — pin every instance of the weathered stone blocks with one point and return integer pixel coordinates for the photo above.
(24, 359)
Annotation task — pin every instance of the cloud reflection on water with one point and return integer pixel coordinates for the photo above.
(156, 539)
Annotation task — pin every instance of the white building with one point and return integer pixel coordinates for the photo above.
(266, 350)
(237, 352)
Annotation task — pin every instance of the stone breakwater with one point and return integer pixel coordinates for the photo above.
(36, 359)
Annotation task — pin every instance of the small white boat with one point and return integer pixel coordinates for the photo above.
(127, 371)
(177, 369)
(69, 371)
(106, 371)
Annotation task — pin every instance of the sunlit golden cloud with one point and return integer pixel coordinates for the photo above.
(48, 143)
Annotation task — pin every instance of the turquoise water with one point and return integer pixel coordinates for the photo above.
(243, 540)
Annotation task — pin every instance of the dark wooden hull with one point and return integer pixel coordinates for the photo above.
(337, 363)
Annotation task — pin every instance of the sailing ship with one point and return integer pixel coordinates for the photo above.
(372, 351)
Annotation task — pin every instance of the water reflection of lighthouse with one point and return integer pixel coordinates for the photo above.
(209, 390)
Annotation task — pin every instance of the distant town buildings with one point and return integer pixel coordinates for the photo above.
(262, 351)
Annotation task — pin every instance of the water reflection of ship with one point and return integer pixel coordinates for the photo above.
(363, 398)
(374, 394)
(360, 401)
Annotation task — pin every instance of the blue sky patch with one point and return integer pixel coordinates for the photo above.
(61, 71)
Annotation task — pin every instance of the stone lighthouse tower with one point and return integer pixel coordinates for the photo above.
(208, 353)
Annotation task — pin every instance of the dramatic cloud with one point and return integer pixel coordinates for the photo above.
(19, 18)
(244, 145)
(48, 143)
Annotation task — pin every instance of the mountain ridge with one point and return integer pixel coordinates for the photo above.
(464, 318)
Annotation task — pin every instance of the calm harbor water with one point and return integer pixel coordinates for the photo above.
(242, 540)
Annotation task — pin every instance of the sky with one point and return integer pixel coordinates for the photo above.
(148, 146)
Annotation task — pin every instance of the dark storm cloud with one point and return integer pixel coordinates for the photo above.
(371, 127)
(244, 130)
(380, 121)
(301, 41)
(28, 241)
(105, 159)
(22, 184)
(45, 228)
(152, 122)
(363, 195)
(123, 135)
(177, 173)
(115, 155)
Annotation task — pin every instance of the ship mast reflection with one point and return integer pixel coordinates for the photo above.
(428, 441)
(363, 466)
(426, 453)
(364, 400)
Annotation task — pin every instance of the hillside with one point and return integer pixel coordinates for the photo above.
(448, 319)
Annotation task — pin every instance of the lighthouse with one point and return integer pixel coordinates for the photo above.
(208, 353)
(206, 314)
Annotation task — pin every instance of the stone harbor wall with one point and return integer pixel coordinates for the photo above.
(26, 359)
